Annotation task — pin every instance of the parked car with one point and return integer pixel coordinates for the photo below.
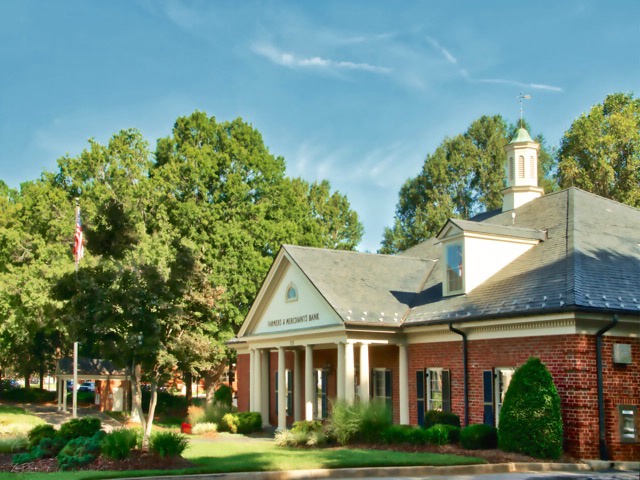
(87, 387)
(9, 383)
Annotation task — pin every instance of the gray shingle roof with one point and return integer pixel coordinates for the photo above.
(376, 288)
(589, 260)
(89, 366)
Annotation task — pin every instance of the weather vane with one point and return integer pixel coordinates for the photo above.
(522, 97)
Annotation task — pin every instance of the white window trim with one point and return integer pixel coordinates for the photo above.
(428, 387)
(498, 400)
(445, 282)
(376, 381)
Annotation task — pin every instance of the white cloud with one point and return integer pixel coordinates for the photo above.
(535, 86)
(445, 53)
(286, 59)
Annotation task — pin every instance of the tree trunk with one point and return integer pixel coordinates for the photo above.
(153, 401)
(136, 397)
(211, 380)
(41, 376)
(188, 382)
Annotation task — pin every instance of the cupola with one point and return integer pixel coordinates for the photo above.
(521, 171)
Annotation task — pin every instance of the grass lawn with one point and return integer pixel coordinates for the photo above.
(237, 456)
(16, 420)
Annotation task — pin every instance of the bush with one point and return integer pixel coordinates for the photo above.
(376, 417)
(316, 439)
(14, 443)
(39, 432)
(80, 427)
(168, 404)
(435, 417)
(28, 395)
(195, 415)
(479, 437)
(530, 418)
(438, 434)
(48, 447)
(345, 422)
(453, 433)
(307, 426)
(118, 444)
(204, 427)
(214, 412)
(289, 438)
(168, 444)
(243, 422)
(397, 435)
(223, 395)
(79, 451)
(20, 458)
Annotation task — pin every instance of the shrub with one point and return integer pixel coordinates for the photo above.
(214, 412)
(419, 436)
(397, 434)
(168, 404)
(14, 443)
(118, 444)
(376, 417)
(479, 437)
(223, 395)
(168, 444)
(79, 451)
(453, 433)
(39, 432)
(80, 427)
(316, 439)
(243, 422)
(530, 418)
(195, 415)
(345, 422)
(307, 426)
(438, 434)
(434, 417)
(21, 458)
(48, 447)
(204, 427)
(28, 395)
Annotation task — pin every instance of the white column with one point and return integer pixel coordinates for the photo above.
(297, 386)
(340, 372)
(364, 372)
(350, 373)
(264, 380)
(74, 395)
(309, 383)
(252, 380)
(282, 391)
(257, 369)
(403, 363)
(64, 401)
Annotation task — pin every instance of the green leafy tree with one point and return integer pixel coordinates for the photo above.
(463, 177)
(600, 152)
(530, 418)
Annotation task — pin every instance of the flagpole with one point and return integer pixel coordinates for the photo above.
(76, 233)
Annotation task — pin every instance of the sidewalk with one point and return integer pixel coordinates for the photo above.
(50, 414)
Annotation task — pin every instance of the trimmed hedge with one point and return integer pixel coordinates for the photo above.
(479, 437)
(530, 418)
(80, 427)
(435, 417)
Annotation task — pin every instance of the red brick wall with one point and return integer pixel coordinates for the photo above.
(244, 382)
(572, 363)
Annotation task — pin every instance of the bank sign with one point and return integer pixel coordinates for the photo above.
(280, 322)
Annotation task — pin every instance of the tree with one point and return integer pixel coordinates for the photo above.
(600, 152)
(463, 177)
(530, 418)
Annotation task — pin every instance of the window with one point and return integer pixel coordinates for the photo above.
(291, 293)
(512, 169)
(520, 166)
(502, 378)
(454, 268)
(320, 409)
(288, 387)
(434, 389)
(381, 386)
(532, 168)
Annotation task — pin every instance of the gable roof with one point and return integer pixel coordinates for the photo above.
(363, 288)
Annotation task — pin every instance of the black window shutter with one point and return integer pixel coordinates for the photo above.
(420, 396)
(487, 381)
(446, 391)
(289, 392)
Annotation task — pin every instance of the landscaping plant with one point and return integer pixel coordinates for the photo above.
(80, 427)
(479, 437)
(80, 451)
(530, 418)
(168, 444)
(118, 444)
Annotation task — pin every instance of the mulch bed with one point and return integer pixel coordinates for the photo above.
(137, 461)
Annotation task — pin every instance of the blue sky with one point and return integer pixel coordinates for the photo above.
(356, 92)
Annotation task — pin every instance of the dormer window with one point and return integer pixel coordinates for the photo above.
(454, 269)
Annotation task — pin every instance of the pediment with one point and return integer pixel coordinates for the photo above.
(288, 302)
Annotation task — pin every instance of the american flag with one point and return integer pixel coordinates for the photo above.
(78, 247)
